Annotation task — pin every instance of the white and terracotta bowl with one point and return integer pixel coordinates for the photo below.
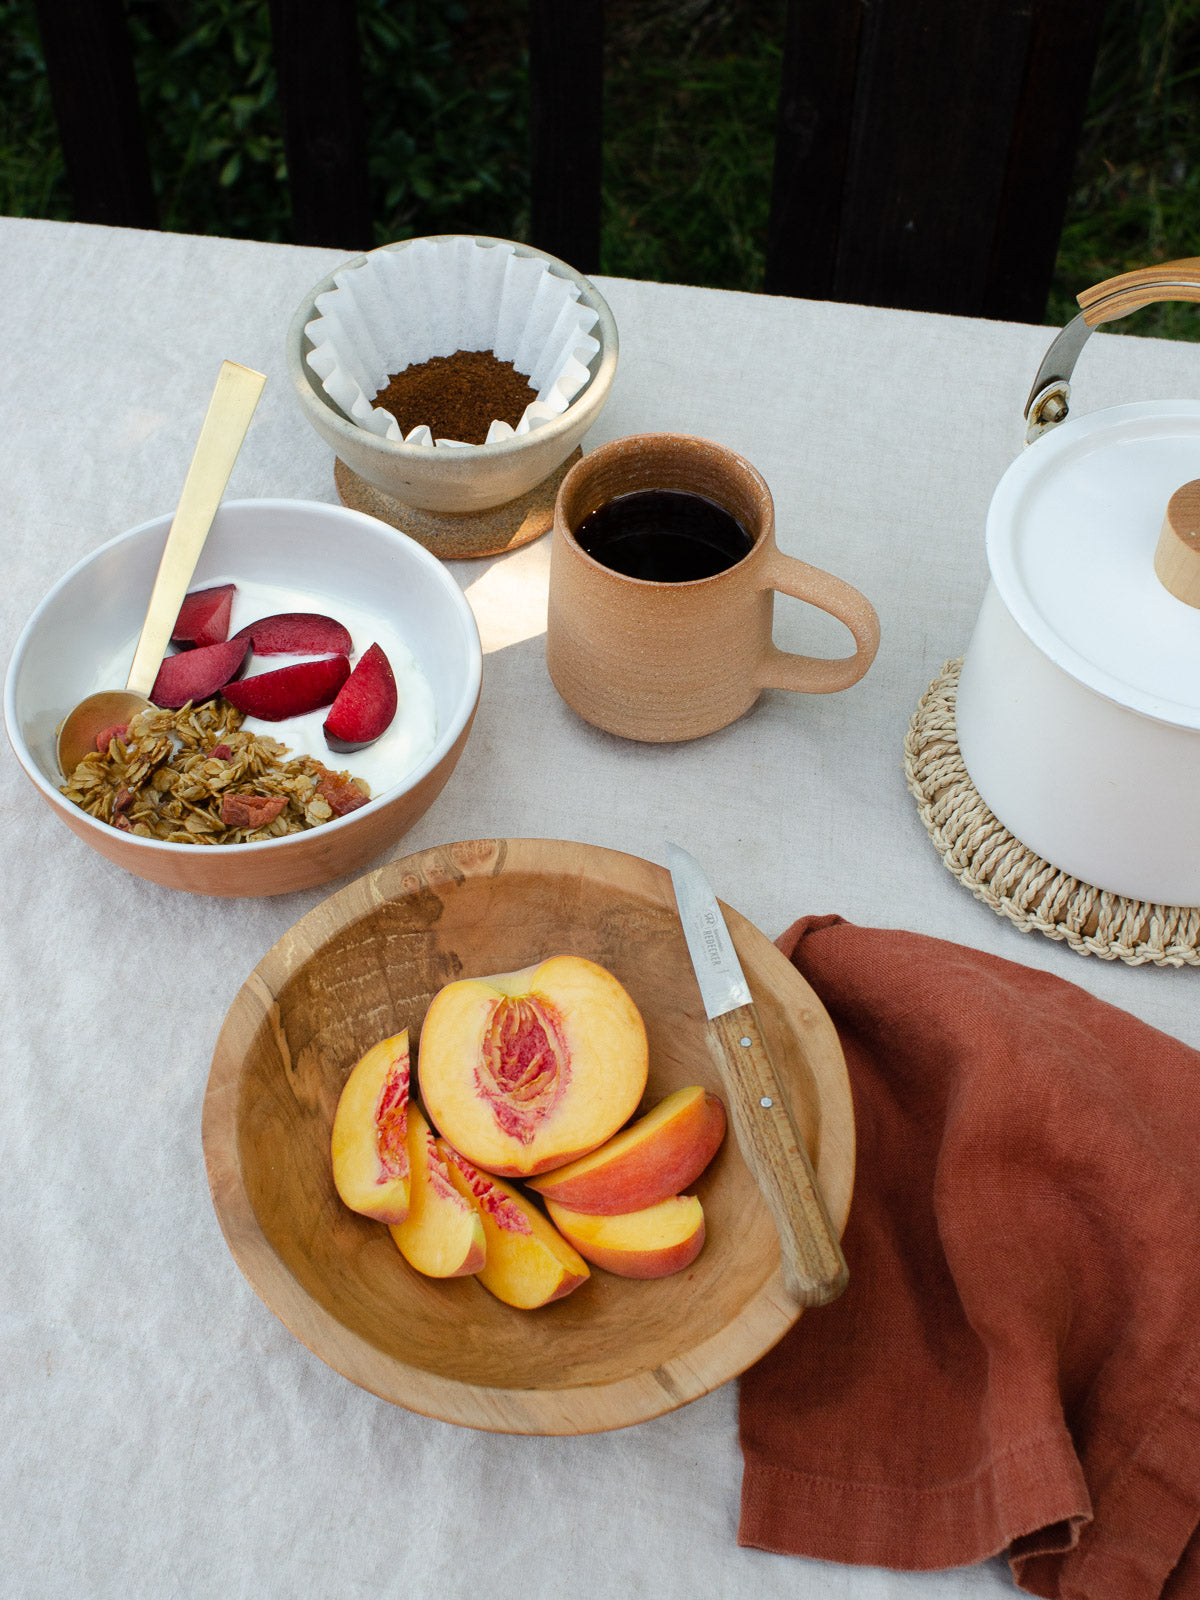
(477, 478)
(340, 557)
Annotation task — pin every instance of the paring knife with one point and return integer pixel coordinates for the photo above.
(814, 1268)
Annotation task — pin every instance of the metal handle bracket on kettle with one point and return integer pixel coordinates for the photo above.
(1049, 399)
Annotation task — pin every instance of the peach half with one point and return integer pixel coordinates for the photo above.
(442, 1235)
(368, 1145)
(527, 1070)
(528, 1263)
(656, 1157)
(653, 1243)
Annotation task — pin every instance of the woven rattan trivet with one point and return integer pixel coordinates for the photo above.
(1006, 875)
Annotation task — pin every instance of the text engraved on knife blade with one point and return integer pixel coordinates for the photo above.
(712, 941)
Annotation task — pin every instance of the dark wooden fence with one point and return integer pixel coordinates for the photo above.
(923, 155)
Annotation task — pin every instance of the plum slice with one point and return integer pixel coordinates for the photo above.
(291, 691)
(197, 674)
(204, 617)
(297, 633)
(365, 704)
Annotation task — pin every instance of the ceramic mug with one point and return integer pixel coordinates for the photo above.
(662, 661)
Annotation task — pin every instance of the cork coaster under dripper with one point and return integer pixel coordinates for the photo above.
(459, 535)
(1007, 876)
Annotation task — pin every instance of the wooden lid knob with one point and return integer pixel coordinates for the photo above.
(1177, 558)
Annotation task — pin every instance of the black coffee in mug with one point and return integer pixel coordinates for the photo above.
(664, 535)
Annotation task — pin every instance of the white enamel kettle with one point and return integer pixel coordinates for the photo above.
(1078, 710)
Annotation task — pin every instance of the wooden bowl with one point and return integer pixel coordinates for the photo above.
(366, 963)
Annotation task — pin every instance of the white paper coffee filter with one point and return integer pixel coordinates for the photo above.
(430, 298)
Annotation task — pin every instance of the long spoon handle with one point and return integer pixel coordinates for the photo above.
(225, 423)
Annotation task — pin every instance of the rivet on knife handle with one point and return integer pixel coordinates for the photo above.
(814, 1268)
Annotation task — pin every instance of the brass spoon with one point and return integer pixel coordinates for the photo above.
(225, 424)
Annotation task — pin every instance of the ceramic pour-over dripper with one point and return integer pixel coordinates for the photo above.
(459, 292)
(399, 308)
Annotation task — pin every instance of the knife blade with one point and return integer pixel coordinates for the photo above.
(814, 1268)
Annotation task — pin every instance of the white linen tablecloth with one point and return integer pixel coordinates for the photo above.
(163, 1434)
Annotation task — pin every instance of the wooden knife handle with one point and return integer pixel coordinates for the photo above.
(814, 1268)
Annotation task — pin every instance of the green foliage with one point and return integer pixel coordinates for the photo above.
(1136, 196)
(447, 130)
(689, 137)
(690, 95)
(448, 138)
(207, 87)
(32, 182)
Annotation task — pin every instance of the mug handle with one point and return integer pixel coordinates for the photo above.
(779, 669)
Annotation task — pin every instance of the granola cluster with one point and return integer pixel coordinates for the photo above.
(194, 777)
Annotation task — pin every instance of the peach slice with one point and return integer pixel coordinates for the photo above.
(442, 1236)
(652, 1243)
(528, 1263)
(655, 1158)
(527, 1070)
(370, 1154)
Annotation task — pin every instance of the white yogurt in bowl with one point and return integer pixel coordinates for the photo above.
(399, 750)
(412, 733)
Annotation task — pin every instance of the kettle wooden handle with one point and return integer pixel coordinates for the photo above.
(1130, 291)
(1048, 402)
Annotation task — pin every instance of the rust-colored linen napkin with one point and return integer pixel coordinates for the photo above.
(1015, 1365)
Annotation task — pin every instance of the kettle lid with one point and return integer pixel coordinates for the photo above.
(1072, 534)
